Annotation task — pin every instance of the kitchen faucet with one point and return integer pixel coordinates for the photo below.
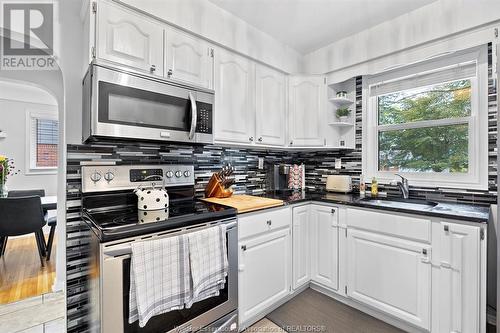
(403, 186)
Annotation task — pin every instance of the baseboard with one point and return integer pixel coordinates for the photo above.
(58, 285)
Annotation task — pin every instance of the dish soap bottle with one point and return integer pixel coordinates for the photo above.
(374, 187)
(362, 186)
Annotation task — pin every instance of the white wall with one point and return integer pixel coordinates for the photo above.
(16, 101)
(212, 22)
(438, 21)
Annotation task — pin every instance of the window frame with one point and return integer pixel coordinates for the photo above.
(31, 140)
(477, 176)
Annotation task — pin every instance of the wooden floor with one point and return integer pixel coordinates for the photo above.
(312, 311)
(21, 274)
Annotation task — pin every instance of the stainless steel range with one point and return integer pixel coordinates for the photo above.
(109, 207)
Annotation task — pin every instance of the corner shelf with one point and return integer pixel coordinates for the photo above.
(341, 101)
(340, 124)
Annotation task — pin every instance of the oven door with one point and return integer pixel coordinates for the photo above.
(115, 296)
(134, 107)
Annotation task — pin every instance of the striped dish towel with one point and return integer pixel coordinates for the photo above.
(209, 265)
(159, 277)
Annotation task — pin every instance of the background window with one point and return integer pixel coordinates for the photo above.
(47, 134)
(429, 122)
(43, 138)
(433, 131)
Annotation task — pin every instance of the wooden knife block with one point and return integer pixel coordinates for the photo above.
(215, 189)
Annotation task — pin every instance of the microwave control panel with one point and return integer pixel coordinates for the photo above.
(204, 122)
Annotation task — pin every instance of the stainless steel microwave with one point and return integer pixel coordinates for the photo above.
(128, 105)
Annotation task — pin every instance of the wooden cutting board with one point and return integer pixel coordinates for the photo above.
(246, 203)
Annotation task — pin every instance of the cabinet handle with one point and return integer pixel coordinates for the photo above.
(269, 222)
(291, 142)
(250, 139)
(260, 139)
(169, 73)
(244, 247)
(446, 228)
(445, 264)
(153, 68)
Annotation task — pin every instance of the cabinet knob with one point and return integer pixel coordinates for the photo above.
(153, 68)
(291, 143)
(446, 228)
(333, 211)
(269, 222)
(250, 139)
(260, 139)
(244, 247)
(169, 73)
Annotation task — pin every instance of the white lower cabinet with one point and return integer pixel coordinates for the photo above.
(459, 283)
(264, 267)
(390, 274)
(324, 245)
(426, 273)
(301, 246)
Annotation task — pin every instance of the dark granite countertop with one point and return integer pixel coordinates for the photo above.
(449, 210)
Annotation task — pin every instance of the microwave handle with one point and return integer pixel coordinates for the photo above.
(194, 116)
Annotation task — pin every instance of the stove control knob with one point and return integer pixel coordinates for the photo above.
(187, 173)
(169, 174)
(178, 173)
(109, 176)
(95, 177)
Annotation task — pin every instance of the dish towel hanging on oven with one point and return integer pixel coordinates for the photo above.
(209, 264)
(159, 277)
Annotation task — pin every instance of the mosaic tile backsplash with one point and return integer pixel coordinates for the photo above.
(249, 179)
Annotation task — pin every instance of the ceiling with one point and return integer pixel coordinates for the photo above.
(307, 25)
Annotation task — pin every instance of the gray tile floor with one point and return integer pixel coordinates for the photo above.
(41, 314)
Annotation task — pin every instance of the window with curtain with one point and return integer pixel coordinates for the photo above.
(44, 138)
(428, 122)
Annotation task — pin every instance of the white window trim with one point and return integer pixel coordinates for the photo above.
(31, 168)
(477, 177)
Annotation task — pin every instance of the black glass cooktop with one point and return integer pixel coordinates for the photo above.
(115, 222)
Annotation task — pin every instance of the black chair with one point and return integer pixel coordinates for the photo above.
(51, 222)
(22, 216)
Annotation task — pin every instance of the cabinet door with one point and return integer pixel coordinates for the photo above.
(307, 110)
(270, 108)
(127, 38)
(459, 278)
(188, 59)
(264, 272)
(390, 274)
(324, 246)
(234, 98)
(300, 246)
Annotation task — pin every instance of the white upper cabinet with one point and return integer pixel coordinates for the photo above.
(307, 98)
(234, 98)
(301, 246)
(270, 106)
(188, 59)
(324, 245)
(128, 38)
(390, 274)
(459, 282)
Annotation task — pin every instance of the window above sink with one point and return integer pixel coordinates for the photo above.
(429, 122)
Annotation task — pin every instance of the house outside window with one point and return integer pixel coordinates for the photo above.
(43, 138)
(429, 122)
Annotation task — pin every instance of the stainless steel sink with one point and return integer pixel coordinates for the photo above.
(403, 203)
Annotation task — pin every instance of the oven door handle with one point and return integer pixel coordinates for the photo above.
(194, 116)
